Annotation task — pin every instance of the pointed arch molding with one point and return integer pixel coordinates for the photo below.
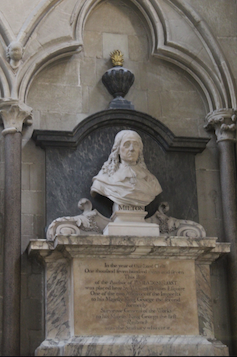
(216, 81)
(213, 76)
(122, 117)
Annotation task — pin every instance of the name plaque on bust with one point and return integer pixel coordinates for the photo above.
(134, 296)
(117, 207)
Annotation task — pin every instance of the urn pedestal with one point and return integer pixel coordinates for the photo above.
(127, 295)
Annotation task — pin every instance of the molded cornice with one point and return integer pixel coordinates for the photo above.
(123, 117)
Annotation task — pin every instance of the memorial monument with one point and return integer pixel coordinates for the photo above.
(117, 286)
(130, 284)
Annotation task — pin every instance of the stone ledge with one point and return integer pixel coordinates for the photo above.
(132, 345)
(164, 247)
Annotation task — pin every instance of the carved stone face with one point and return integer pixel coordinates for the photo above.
(129, 149)
(15, 51)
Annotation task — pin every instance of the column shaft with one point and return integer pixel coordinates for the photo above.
(12, 246)
(229, 203)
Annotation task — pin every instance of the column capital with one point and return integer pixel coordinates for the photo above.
(13, 114)
(223, 121)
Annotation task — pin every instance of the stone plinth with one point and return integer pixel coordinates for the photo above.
(126, 295)
(130, 221)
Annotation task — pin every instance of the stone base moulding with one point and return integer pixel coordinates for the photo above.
(126, 295)
(133, 345)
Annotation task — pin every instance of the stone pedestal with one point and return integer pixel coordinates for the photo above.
(131, 223)
(128, 296)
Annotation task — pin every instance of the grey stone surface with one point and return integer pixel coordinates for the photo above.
(32, 295)
(12, 246)
(221, 308)
(229, 199)
(208, 10)
(120, 103)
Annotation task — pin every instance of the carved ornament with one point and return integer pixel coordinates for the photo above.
(116, 58)
(14, 114)
(223, 121)
(14, 53)
(91, 221)
(174, 226)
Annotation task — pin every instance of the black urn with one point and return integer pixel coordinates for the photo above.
(118, 80)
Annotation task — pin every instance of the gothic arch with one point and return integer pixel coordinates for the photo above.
(8, 81)
(213, 76)
(38, 61)
(217, 85)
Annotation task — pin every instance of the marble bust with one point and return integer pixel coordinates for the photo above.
(124, 177)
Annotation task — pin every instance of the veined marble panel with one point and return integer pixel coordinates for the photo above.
(205, 313)
(133, 345)
(58, 299)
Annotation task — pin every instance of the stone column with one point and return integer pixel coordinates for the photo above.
(223, 121)
(13, 115)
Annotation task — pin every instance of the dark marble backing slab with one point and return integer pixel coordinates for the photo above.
(69, 175)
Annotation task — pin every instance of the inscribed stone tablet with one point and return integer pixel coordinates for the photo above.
(135, 296)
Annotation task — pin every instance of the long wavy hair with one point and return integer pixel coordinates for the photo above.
(112, 164)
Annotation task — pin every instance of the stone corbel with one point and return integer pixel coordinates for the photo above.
(13, 114)
(223, 121)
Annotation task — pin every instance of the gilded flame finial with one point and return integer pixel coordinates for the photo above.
(116, 58)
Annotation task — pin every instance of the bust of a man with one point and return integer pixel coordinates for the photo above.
(124, 177)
